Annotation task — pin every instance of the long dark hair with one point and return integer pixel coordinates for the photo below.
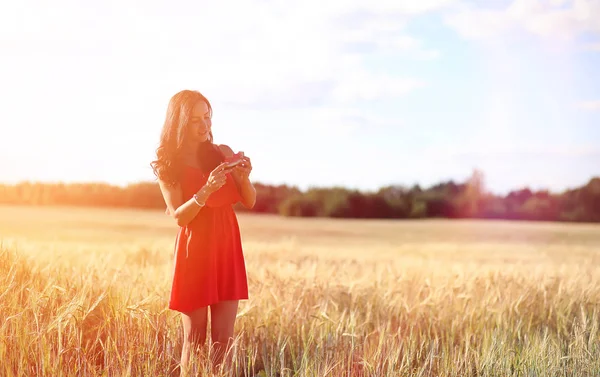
(168, 165)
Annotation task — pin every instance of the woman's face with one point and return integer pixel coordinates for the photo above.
(200, 124)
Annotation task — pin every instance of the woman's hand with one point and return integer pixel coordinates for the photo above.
(243, 170)
(241, 175)
(217, 178)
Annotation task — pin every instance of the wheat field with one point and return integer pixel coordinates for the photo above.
(83, 292)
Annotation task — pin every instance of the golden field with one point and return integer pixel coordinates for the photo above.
(83, 292)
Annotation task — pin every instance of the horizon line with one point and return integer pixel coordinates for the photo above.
(306, 187)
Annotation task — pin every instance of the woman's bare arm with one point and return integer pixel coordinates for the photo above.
(185, 211)
(182, 212)
(245, 186)
(247, 191)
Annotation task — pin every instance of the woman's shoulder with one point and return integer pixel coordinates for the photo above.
(226, 150)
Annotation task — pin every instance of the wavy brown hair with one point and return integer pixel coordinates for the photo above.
(168, 164)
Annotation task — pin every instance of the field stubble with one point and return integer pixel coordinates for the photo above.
(84, 292)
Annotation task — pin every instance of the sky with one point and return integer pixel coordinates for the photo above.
(352, 93)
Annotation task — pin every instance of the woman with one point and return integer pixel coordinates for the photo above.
(199, 191)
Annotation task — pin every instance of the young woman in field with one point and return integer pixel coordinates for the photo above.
(199, 191)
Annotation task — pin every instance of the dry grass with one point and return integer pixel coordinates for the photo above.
(83, 292)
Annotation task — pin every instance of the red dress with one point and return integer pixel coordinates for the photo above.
(209, 262)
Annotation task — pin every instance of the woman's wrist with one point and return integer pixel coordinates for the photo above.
(203, 193)
(200, 202)
(241, 178)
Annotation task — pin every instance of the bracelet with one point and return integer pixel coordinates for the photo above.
(201, 204)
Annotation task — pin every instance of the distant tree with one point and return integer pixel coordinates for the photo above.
(299, 206)
(515, 201)
(537, 208)
(493, 207)
(418, 209)
(469, 202)
(445, 199)
(269, 198)
(399, 199)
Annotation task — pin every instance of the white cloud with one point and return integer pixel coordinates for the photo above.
(589, 105)
(343, 121)
(547, 18)
(368, 87)
(100, 75)
(265, 53)
(403, 7)
(593, 46)
(515, 151)
(479, 24)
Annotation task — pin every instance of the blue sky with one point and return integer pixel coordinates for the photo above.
(354, 93)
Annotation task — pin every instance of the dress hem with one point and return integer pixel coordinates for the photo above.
(186, 310)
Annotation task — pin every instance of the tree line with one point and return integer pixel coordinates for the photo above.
(449, 199)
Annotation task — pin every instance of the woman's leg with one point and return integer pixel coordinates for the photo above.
(194, 334)
(222, 317)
